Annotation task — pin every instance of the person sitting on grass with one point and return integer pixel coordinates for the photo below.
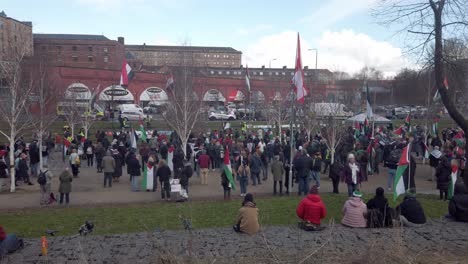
(247, 221)
(379, 214)
(9, 243)
(354, 211)
(311, 210)
(410, 211)
(458, 206)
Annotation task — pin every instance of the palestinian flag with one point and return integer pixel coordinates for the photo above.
(398, 131)
(437, 94)
(148, 180)
(408, 122)
(142, 130)
(228, 170)
(247, 78)
(133, 140)
(398, 184)
(126, 74)
(435, 126)
(453, 180)
(459, 138)
(357, 132)
(365, 127)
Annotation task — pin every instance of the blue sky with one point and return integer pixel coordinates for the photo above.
(344, 32)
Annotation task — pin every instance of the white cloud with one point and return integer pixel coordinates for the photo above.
(260, 28)
(344, 50)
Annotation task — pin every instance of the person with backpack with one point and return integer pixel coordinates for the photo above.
(9, 243)
(99, 152)
(74, 162)
(391, 162)
(45, 181)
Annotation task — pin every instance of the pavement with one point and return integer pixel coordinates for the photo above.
(88, 190)
(439, 241)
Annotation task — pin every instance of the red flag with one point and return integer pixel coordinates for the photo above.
(298, 78)
(126, 74)
(399, 131)
(405, 158)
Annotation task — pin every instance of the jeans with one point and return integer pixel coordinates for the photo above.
(351, 188)
(165, 190)
(315, 175)
(391, 178)
(265, 172)
(243, 182)
(108, 178)
(90, 158)
(67, 198)
(405, 222)
(99, 164)
(74, 170)
(35, 169)
(255, 177)
(213, 162)
(303, 185)
(134, 183)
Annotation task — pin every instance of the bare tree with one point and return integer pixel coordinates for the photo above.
(71, 111)
(17, 87)
(333, 129)
(427, 22)
(183, 109)
(368, 73)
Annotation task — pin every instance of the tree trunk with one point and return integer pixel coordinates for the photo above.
(332, 153)
(12, 162)
(439, 73)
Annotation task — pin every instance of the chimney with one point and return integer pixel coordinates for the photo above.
(263, 67)
(121, 40)
(241, 67)
(306, 68)
(284, 67)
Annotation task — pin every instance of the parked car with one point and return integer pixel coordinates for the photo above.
(221, 115)
(129, 115)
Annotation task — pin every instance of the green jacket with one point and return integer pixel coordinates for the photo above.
(66, 179)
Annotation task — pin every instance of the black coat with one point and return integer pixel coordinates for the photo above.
(458, 207)
(443, 173)
(133, 166)
(412, 210)
(379, 213)
(302, 165)
(164, 173)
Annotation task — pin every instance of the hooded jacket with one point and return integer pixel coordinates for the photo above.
(354, 213)
(248, 219)
(312, 209)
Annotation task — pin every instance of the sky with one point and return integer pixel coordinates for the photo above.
(342, 33)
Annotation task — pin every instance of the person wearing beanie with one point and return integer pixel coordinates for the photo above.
(351, 175)
(354, 211)
(410, 210)
(379, 213)
(311, 210)
(247, 220)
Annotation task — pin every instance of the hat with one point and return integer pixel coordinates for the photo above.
(300, 147)
(357, 194)
(313, 190)
(350, 156)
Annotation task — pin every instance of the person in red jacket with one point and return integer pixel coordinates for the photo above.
(204, 163)
(311, 210)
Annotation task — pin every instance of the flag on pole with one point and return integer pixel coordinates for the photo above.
(398, 184)
(228, 170)
(247, 78)
(459, 138)
(142, 130)
(148, 180)
(369, 112)
(437, 94)
(365, 127)
(434, 128)
(126, 74)
(453, 180)
(398, 131)
(357, 132)
(298, 78)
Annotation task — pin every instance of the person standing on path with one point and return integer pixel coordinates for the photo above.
(204, 164)
(90, 153)
(74, 162)
(65, 185)
(351, 175)
(277, 169)
(443, 175)
(99, 152)
(134, 170)
(46, 197)
(23, 170)
(164, 174)
(118, 165)
(243, 173)
(108, 165)
(315, 169)
(255, 168)
(34, 159)
(3, 173)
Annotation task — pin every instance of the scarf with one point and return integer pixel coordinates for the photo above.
(354, 169)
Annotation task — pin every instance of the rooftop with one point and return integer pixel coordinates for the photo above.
(70, 36)
(4, 15)
(186, 48)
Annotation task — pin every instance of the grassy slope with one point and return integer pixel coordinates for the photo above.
(134, 218)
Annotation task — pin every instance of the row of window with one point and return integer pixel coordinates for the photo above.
(218, 56)
(90, 58)
(73, 48)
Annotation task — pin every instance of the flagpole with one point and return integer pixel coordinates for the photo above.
(291, 144)
(409, 165)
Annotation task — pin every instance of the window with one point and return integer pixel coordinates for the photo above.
(59, 50)
(90, 48)
(276, 73)
(106, 59)
(212, 72)
(305, 74)
(75, 58)
(255, 73)
(227, 72)
(261, 73)
(74, 48)
(59, 58)
(105, 50)
(90, 58)
(220, 72)
(43, 48)
(283, 73)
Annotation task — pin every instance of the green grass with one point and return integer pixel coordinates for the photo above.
(136, 218)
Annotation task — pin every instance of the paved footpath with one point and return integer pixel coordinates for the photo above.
(439, 241)
(88, 188)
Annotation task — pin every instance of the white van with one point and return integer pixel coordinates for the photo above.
(129, 107)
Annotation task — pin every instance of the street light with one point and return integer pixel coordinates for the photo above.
(269, 64)
(316, 55)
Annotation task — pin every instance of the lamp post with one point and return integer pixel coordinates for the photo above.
(269, 63)
(316, 56)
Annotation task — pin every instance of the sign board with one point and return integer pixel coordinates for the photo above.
(116, 93)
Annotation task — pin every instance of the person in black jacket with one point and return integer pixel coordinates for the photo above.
(3, 173)
(134, 170)
(302, 165)
(434, 160)
(22, 172)
(379, 214)
(458, 206)
(335, 173)
(164, 174)
(410, 211)
(185, 175)
(443, 173)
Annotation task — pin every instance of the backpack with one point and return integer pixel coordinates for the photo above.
(42, 179)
